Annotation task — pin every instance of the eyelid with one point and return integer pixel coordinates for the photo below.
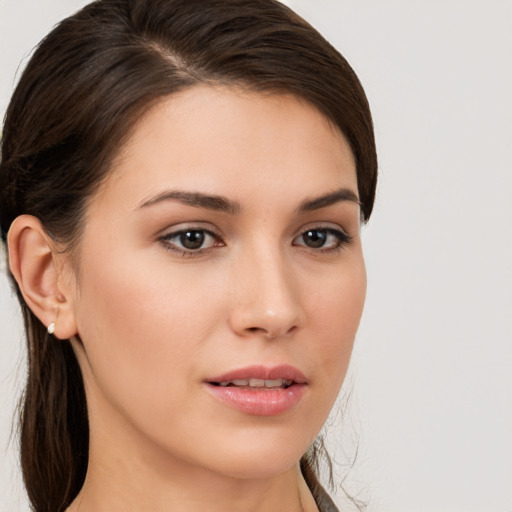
(190, 226)
(342, 236)
(179, 229)
(327, 226)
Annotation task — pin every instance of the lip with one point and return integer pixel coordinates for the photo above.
(283, 371)
(259, 401)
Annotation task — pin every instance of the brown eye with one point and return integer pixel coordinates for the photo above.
(193, 239)
(315, 238)
(190, 240)
(322, 238)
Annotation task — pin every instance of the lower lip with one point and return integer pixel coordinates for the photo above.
(259, 401)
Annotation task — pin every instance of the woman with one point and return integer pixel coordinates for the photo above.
(182, 185)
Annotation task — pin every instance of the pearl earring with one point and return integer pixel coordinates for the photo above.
(51, 328)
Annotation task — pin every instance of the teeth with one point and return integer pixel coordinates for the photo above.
(277, 383)
(235, 382)
(240, 382)
(257, 383)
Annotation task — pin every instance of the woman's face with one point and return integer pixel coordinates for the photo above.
(220, 284)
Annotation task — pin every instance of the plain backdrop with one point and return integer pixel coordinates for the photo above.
(431, 379)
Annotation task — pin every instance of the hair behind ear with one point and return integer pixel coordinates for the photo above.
(54, 428)
(54, 435)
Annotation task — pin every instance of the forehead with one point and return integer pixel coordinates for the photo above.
(213, 137)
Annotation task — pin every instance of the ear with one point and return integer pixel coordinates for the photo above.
(37, 266)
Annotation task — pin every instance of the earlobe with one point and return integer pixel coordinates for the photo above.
(34, 263)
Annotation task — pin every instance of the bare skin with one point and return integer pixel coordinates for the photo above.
(172, 290)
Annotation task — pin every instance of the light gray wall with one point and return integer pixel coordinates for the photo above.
(432, 379)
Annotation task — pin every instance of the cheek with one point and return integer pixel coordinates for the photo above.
(156, 326)
(146, 331)
(335, 312)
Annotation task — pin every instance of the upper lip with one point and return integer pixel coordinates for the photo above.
(283, 371)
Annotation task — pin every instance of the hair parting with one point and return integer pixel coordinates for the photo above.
(78, 100)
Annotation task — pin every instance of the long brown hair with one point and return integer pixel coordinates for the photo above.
(82, 92)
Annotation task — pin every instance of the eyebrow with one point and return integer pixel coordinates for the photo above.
(223, 204)
(342, 194)
(196, 199)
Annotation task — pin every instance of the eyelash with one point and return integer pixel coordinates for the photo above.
(342, 239)
(171, 246)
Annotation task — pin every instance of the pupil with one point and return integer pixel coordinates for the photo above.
(192, 239)
(315, 238)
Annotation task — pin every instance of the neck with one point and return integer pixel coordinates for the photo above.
(129, 471)
(287, 492)
(141, 479)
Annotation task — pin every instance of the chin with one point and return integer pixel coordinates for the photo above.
(261, 460)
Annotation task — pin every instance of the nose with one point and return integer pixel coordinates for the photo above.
(267, 299)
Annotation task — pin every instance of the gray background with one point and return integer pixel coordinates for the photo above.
(431, 379)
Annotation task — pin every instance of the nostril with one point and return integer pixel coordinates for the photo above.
(271, 334)
(260, 330)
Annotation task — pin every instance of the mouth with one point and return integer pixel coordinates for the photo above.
(255, 383)
(259, 390)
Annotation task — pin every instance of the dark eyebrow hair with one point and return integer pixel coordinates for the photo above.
(343, 194)
(196, 199)
(223, 204)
